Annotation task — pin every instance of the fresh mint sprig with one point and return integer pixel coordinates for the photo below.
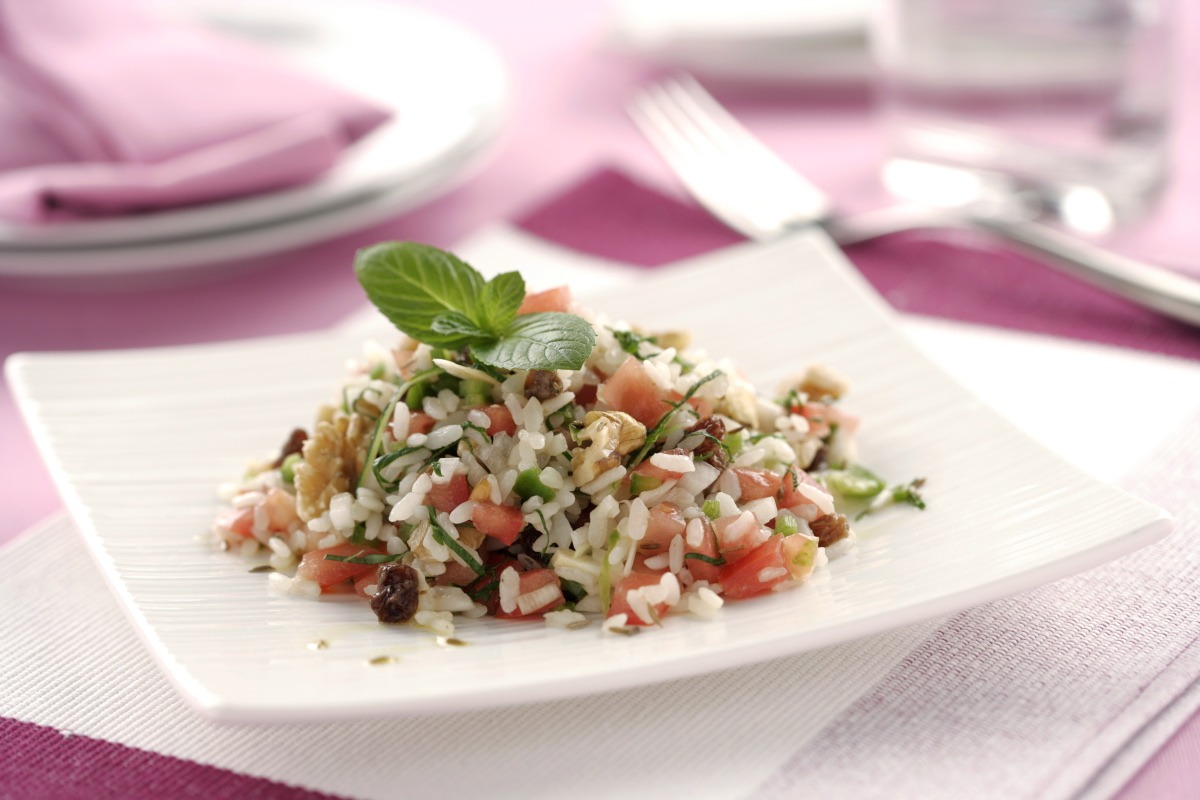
(437, 298)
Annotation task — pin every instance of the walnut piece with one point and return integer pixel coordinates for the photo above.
(331, 460)
(607, 435)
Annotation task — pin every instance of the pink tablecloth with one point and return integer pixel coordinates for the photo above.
(568, 121)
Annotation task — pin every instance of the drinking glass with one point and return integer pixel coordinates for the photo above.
(1056, 109)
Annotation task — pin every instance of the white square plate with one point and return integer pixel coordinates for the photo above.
(139, 440)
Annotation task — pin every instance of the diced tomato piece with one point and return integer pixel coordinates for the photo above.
(738, 535)
(800, 504)
(501, 420)
(281, 509)
(762, 568)
(556, 299)
(503, 523)
(702, 569)
(315, 567)
(456, 574)
(620, 598)
(451, 494)
(586, 396)
(800, 554)
(757, 483)
(420, 422)
(649, 470)
(630, 389)
(665, 523)
(238, 520)
(368, 578)
(822, 416)
(539, 592)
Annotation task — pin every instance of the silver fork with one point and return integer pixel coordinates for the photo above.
(752, 190)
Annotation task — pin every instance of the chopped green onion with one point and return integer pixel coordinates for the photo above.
(529, 483)
(643, 483)
(854, 481)
(287, 470)
(475, 393)
(786, 523)
(908, 494)
(378, 371)
(606, 573)
(711, 508)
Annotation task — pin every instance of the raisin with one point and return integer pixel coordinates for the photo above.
(398, 589)
(543, 384)
(830, 528)
(710, 448)
(294, 444)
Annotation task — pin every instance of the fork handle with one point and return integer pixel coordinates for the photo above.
(1170, 293)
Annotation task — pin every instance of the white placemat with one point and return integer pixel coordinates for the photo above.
(1049, 694)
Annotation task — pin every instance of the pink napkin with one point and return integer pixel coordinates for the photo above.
(105, 108)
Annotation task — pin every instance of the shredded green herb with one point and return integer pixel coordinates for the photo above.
(441, 537)
(659, 429)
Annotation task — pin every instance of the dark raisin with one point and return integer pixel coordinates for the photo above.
(710, 448)
(543, 384)
(830, 528)
(396, 594)
(294, 444)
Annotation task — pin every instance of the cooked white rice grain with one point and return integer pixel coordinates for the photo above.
(704, 602)
(462, 512)
(675, 552)
(401, 417)
(557, 402)
(416, 440)
(604, 480)
(673, 462)
(763, 509)
(374, 524)
(510, 587)
(439, 622)
(768, 574)
(660, 561)
(369, 499)
(694, 533)
(565, 619)
(728, 506)
(700, 478)
(729, 485)
(653, 497)
(434, 408)
(449, 598)
(443, 436)
(532, 417)
(248, 548)
(247, 499)
(329, 540)
(639, 605)
(615, 623)
(465, 372)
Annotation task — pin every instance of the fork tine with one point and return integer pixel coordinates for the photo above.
(724, 166)
(659, 119)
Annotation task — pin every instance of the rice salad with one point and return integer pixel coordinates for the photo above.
(645, 479)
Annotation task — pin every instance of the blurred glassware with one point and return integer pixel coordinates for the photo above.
(1056, 109)
(760, 41)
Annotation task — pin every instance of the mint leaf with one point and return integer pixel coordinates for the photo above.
(413, 284)
(458, 329)
(547, 340)
(501, 298)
